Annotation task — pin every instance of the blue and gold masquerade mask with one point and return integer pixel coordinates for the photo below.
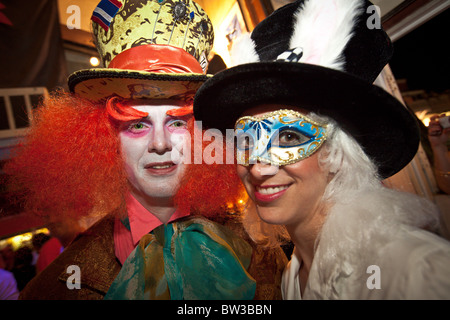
(280, 138)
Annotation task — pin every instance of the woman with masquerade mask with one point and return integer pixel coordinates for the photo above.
(314, 140)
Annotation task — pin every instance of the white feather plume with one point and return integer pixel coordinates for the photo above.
(323, 28)
(243, 50)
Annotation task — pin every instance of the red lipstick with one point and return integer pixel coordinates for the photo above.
(263, 197)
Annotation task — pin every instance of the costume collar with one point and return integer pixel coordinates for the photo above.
(141, 221)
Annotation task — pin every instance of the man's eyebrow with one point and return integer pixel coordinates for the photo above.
(123, 112)
(179, 112)
(179, 117)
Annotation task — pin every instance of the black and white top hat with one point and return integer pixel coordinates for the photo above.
(322, 56)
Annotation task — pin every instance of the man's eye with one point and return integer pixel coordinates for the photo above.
(136, 127)
(291, 138)
(178, 124)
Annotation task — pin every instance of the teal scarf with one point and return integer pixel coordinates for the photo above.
(189, 259)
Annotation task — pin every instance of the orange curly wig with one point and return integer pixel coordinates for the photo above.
(70, 165)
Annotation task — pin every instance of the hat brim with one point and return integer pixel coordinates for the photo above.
(99, 84)
(386, 130)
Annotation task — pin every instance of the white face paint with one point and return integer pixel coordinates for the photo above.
(147, 150)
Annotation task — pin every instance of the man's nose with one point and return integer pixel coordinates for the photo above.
(160, 142)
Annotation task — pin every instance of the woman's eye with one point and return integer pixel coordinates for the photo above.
(244, 142)
(289, 138)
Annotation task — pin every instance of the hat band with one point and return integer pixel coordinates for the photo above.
(156, 58)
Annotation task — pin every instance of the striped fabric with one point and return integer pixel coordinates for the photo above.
(105, 12)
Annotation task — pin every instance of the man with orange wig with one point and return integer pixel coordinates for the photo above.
(108, 149)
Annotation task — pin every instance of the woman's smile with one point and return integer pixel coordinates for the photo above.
(269, 193)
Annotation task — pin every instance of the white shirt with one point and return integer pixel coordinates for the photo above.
(290, 282)
(414, 265)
